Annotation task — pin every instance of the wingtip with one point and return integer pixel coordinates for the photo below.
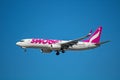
(90, 33)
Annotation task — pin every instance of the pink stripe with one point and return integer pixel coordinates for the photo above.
(42, 41)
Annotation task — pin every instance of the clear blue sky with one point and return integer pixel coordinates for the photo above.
(59, 19)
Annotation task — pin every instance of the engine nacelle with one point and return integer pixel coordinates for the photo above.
(56, 47)
(46, 50)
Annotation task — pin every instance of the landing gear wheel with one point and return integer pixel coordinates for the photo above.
(57, 53)
(25, 50)
(63, 51)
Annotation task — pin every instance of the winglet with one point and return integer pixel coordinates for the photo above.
(89, 34)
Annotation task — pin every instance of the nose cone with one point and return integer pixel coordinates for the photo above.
(18, 43)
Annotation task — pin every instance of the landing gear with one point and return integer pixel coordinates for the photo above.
(57, 53)
(63, 51)
(25, 50)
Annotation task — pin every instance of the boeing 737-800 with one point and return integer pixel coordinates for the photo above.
(49, 45)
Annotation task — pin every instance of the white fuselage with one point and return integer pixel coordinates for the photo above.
(27, 43)
(49, 45)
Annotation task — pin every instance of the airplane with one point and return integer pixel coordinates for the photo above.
(60, 46)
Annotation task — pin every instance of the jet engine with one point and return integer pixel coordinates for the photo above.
(55, 47)
(46, 50)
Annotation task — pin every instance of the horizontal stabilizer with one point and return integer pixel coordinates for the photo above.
(102, 42)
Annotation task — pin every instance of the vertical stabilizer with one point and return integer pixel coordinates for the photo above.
(95, 37)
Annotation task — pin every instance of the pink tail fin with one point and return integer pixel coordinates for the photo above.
(95, 38)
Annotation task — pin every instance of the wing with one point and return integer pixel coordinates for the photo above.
(72, 42)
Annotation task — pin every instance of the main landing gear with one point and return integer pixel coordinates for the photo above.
(63, 51)
(58, 52)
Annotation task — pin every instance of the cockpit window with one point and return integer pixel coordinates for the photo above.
(22, 41)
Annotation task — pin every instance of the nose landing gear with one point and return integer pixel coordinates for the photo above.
(25, 50)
